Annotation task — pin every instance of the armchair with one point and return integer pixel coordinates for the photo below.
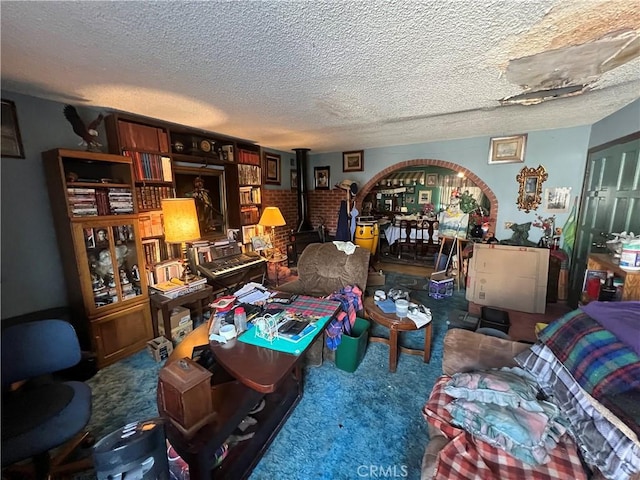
(323, 269)
(38, 412)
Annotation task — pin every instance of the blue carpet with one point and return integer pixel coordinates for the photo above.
(347, 425)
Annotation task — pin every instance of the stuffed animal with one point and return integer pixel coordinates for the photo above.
(520, 235)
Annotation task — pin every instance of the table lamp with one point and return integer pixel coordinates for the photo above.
(181, 226)
(272, 217)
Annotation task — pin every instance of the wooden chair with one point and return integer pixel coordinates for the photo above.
(423, 237)
(407, 238)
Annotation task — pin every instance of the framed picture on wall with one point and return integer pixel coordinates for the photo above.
(294, 179)
(557, 199)
(432, 179)
(507, 149)
(353, 161)
(424, 196)
(11, 141)
(321, 177)
(272, 168)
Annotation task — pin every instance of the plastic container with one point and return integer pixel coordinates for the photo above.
(138, 450)
(352, 348)
(402, 308)
(240, 320)
(630, 257)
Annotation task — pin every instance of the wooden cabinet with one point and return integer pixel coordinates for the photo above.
(603, 261)
(95, 214)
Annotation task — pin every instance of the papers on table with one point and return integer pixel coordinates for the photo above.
(252, 293)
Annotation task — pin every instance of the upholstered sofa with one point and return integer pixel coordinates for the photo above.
(601, 408)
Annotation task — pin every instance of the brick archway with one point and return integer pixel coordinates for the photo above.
(421, 162)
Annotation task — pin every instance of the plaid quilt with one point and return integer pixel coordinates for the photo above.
(466, 458)
(615, 453)
(604, 366)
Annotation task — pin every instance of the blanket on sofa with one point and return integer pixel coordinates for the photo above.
(607, 368)
(467, 458)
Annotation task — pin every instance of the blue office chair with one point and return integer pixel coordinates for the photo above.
(40, 413)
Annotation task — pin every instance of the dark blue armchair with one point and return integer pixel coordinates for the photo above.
(39, 412)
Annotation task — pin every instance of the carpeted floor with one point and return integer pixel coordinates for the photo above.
(347, 425)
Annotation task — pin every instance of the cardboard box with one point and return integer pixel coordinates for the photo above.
(179, 316)
(440, 285)
(375, 279)
(508, 277)
(178, 333)
(159, 348)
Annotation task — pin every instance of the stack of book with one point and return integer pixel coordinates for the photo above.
(120, 201)
(176, 287)
(82, 201)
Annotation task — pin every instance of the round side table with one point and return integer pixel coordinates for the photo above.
(395, 325)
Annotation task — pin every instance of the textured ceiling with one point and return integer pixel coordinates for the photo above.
(329, 76)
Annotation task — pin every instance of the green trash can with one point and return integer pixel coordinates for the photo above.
(352, 348)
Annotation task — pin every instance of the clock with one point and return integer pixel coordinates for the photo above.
(205, 146)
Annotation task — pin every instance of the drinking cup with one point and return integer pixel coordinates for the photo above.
(402, 307)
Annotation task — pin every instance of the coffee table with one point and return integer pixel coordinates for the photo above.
(395, 325)
(244, 376)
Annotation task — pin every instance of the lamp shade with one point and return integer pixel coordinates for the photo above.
(180, 220)
(272, 217)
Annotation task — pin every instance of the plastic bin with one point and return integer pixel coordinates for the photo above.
(352, 348)
(137, 450)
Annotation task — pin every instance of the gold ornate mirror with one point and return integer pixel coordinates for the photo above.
(530, 191)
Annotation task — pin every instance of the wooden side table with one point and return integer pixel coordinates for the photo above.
(200, 299)
(395, 325)
(276, 261)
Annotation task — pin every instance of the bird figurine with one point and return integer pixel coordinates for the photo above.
(87, 133)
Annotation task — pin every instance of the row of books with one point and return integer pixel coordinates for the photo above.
(150, 224)
(150, 197)
(150, 166)
(247, 157)
(249, 215)
(250, 195)
(249, 175)
(84, 202)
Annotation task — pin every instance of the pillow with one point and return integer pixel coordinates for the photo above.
(511, 387)
(526, 435)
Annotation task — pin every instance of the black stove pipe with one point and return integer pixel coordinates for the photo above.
(303, 193)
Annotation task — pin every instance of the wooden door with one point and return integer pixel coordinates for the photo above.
(610, 203)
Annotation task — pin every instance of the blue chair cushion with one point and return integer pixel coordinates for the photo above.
(56, 430)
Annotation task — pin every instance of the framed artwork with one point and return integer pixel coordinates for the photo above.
(353, 161)
(557, 199)
(424, 196)
(272, 168)
(11, 140)
(89, 238)
(530, 189)
(294, 179)
(432, 179)
(321, 176)
(507, 149)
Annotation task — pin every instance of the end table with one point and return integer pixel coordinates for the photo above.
(200, 299)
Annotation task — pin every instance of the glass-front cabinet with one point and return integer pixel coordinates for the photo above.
(95, 214)
(111, 254)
